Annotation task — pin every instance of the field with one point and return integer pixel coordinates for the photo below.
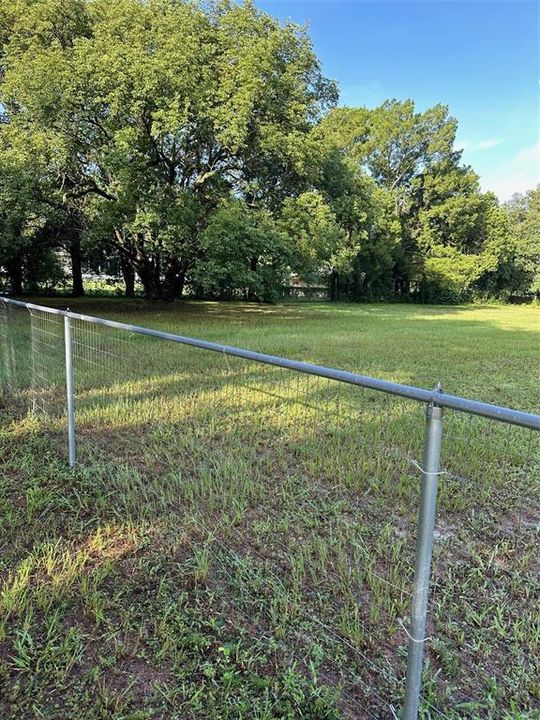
(238, 540)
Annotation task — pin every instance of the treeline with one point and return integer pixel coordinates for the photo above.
(197, 145)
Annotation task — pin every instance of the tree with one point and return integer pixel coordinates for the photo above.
(524, 214)
(369, 195)
(404, 144)
(159, 110)
(313, 231)
(462, 235)
(138, 132)
(45, 32)
(394, 143)
(245, 255)
(447, 209)
(26, 253)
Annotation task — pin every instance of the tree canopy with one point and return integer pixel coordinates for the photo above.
(198, 144)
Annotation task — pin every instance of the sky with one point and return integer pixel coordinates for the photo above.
(479, 57)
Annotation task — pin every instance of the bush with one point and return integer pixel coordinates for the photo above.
(244, 256)
(448, 276)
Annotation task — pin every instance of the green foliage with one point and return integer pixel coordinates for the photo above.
(393, 142)
(244, 255)
(25, 253)
(160, 110)
(314, 232)
(524, 216)
(380, 253)
(430, 201)
(135, 130)
(404, 144)
(449, 276)
(448, 209)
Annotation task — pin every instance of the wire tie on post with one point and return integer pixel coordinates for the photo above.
(424, 472)
(414, 640)
(436, 389)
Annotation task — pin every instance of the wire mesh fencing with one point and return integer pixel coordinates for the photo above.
(303, 494)
(16, 345)
(276, 469)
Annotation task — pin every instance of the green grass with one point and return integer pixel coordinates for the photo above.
(238, 541)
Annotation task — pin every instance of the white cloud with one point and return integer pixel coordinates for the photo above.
(474, 146)
(520, 173)
(529, 156)
(491, 142)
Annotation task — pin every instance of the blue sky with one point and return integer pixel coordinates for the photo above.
(480, 57)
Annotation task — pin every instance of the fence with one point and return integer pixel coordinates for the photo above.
(114, 387)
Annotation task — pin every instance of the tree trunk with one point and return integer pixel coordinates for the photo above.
(76, 265)
(150, 279)
(175, 276)
(14, 269)
(334, 286)
(128, 273)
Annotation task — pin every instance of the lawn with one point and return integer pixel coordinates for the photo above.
(238, 540)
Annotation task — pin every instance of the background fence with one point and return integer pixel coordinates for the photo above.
(311, 477)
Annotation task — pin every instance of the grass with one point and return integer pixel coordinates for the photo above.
(238, 541)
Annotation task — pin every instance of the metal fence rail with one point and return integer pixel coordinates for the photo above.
(435, 401)
(436, 396)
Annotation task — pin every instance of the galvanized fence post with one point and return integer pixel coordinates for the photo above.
(72, 441)
(33, 353)
(424, 547)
